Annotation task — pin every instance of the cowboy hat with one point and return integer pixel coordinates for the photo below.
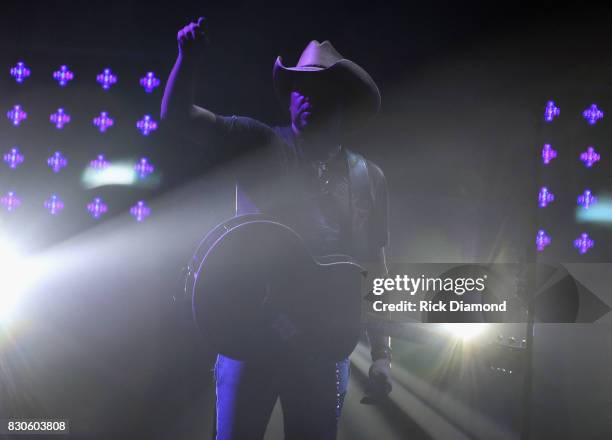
(358, 90)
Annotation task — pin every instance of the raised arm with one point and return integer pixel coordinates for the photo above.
(178, 108)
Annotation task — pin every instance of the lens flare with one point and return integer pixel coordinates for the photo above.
(465, 331)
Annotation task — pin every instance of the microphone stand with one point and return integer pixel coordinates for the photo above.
(530, 287)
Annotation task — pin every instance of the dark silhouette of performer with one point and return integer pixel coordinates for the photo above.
(303, 176)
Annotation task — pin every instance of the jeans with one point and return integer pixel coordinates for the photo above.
(311, 395)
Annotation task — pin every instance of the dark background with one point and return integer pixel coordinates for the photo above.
(463, 84)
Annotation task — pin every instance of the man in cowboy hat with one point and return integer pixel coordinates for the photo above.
(302, 175)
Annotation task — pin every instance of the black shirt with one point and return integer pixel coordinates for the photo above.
(274, 177)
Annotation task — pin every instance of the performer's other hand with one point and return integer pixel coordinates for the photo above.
(192, 38)
(379, 384)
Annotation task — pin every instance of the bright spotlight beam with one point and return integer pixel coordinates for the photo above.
(11, 273)
(599, 213)
(17, 274)
(465, 331)
(118, 173)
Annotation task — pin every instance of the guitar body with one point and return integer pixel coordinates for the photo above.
(258, 294)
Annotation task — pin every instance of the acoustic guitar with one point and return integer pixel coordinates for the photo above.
(257, 293)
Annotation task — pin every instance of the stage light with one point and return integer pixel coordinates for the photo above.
(19, 272)
(149, 82)
(146, 125)
(587, 199)
(143, 168)
(115, 174)
(20, 72)
(16, 115)
(465, 331)
(10, 201)
(99, 163)
(551, 111)
(545, 197)
(54, 204)
(63, 76)
(103, 122)
(548, 154)
(59, 118)
(600, 213)
(593, 114)
(13, 277)
(57, 161)
(106, 79)
(13, 158)
(140, 211)
(590, 157)
(542, 240)
(97, 208)
(584, 243)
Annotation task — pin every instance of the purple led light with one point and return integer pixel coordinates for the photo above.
(57, 161)
(551, 111)
(13, 158)
(590, 157)
(20, 72)
(103, 122)
(54, 204)
(10, 201)
(587, 199)
(140, 211)
(542, 240)
(16, 115)
(149, 82)
(545, 197)
(592, 114)
(97, 207)
(99, 163)
(143, 168)
(548, 154)
(146, 125)
(584, 243)
(59, 118)
(63, 76)
(107, 78)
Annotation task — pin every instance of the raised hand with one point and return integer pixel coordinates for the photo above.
(192, 38)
